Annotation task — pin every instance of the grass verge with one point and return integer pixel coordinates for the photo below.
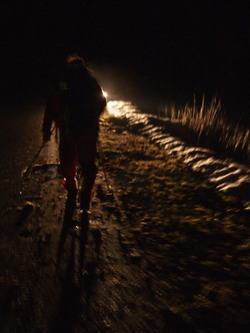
(211, 127)
(193, 238)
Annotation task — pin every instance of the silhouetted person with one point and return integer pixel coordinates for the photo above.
(75, 107)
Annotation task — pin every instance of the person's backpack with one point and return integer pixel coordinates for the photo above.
(82, 106)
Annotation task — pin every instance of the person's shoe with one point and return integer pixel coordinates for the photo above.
(70, 204)
(68, 214)
(84, 201)
(72, 196)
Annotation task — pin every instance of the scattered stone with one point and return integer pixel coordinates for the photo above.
(27, 232)
(25, 212)
(135, 256)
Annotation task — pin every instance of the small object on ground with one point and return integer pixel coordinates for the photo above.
(26, 210)
(45, 166)
(26, 232)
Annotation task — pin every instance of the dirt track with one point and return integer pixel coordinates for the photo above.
(156, 258)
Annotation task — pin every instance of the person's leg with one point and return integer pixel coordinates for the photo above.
(86, 150)
(67, 154)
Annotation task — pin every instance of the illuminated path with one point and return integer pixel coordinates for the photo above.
(228, 176)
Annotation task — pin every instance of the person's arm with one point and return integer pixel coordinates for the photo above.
(100, 98)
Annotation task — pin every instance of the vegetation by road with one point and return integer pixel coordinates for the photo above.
(164, 251)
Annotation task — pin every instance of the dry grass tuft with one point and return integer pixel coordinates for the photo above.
(208, 120)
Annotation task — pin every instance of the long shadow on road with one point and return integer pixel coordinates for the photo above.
(77, 275)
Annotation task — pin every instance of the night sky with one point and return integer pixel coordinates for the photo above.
(162, 50)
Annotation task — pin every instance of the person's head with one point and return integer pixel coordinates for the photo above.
(76, 70)
(74, 61)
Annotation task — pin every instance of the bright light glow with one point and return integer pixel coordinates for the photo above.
(120, 108)
(105, 94)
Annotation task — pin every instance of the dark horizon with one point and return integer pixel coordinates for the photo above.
(164, 52)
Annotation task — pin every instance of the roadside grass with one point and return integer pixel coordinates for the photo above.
(192, 237)
(211, 126)
(155, 173)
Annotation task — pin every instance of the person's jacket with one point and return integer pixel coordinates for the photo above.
(75, 109)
